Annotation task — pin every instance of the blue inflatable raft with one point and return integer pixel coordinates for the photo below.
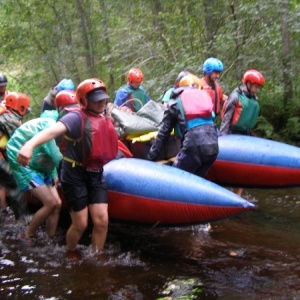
(147, 192)
(255, 162)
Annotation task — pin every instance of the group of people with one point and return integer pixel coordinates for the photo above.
(13, 107)
(192, 106)
(73, 139)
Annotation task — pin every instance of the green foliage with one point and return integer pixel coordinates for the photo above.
(292, 129)
(45, 41)
(264, 128)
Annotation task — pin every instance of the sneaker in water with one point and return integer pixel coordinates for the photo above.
(101, 255)
(74, 255)
(27, 239)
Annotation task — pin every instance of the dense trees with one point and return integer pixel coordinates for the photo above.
(45, 41)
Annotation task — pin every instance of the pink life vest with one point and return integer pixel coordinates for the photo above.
(196, 104)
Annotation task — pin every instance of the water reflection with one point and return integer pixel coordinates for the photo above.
(250, 256)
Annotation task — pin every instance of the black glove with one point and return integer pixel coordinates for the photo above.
(152, 156)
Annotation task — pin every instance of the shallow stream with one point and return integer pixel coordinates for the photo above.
(255, 255)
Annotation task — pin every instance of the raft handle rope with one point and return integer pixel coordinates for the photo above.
(131, 100)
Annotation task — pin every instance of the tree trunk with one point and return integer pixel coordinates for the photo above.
(85, 37)
(107, 43)
(286, 57)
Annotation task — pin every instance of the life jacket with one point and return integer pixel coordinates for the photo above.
(3, 135)
(136, 94)
(196, 107)
(98, 139)
(245, 113)
(3, 141)
(216, 95)
(8, 124)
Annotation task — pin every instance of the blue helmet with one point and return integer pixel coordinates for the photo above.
(212, 64)
(66, 84)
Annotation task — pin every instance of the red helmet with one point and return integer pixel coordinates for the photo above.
(135, 75)
(18, 102)
(86, 86)
(65, 98)
(254, 77)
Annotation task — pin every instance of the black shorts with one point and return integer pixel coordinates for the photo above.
(92, 190)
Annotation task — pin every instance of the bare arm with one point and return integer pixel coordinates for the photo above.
(25, 153)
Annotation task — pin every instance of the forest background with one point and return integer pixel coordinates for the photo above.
(43, 42)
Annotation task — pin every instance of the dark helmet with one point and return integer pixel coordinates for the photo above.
(3, 79)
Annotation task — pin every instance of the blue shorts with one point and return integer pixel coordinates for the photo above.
(37, 181)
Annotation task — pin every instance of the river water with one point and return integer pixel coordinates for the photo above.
(255, 255)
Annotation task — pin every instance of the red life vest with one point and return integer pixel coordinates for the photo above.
(216, 95)
(99, 141)
(196, 104)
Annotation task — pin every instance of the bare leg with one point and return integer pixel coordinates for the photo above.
(239, 192)
(78, 226)
(99, 217)
(50, 204)
(2, 198)
(52, 220)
